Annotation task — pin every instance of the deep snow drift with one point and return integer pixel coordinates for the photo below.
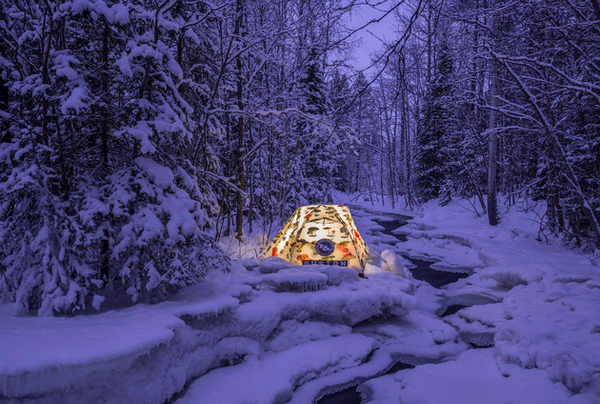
(270, 332)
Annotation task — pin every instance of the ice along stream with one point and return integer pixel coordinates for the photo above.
(422, 271)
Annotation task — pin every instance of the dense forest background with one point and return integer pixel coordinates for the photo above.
(135, 134)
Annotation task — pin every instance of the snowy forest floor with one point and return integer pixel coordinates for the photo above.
(518, 323)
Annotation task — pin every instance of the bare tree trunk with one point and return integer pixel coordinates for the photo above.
(239, 225)
(228, 172)
(104, 243)
(381, 172)
(4, 101)
(493, 149)
(429, 43)
(46, 78)
(250, 184)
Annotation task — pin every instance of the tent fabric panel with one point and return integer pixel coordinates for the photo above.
(276, 246)
(309, 224)
(303, 247)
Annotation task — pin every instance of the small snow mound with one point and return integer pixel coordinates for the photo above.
(296, 280)
(291, 333)
(338, 275)
(392, 263)
(475, 378)
(272, 264)
(511, 277)
(568, 278)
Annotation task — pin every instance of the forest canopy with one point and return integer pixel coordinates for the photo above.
(136, 134)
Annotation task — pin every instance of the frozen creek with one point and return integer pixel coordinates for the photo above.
(390, 228)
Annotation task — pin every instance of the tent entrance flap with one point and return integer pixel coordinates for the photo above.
(320, 234)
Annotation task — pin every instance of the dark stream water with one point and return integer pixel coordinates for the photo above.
(389, 225)
(437, 279)
(422, 272)
(347, 396)
(351, 395)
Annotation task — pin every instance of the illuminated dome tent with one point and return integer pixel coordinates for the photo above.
(320, 234)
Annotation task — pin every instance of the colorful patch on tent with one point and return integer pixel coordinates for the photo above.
(324, 247)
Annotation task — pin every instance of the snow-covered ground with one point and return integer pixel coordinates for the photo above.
(268, 332)
(541, 314)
